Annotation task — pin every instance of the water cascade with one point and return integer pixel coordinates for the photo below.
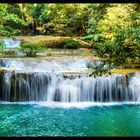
(43, 86)
(57, 65)
(11, 43)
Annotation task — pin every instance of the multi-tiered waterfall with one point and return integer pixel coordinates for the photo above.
(61, 79)
(46, 80)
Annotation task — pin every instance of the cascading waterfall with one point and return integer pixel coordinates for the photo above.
(134, 86)
(57, 65)
(15, 86)
(11, 43)
(11, 46)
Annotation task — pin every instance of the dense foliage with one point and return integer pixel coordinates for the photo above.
(119, 31)
(31, 49)
(117, 37)
(11, 20)
(71, 44)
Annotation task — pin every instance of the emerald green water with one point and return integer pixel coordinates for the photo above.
(36, 120)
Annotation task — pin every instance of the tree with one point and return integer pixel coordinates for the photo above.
(119, 33)
(10, 21)
(95, 13)
(66, 19)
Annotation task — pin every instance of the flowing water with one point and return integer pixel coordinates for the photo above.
(11, 43)
(51, 87)
(55, 65)
(55, 97)
(45, 80)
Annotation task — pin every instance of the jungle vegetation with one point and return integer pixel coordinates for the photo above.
(113, 30)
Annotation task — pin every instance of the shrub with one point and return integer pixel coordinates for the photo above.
(88, 37)
(30, 49)
(2, 45)
(71, 44)
(101, 67)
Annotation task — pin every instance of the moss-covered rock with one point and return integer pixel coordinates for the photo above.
(30, 49)
(71, 44)
(53, 41)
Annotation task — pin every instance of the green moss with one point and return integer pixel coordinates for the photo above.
(88, 37)
(71, 44)
(53, 41)
(30, 49)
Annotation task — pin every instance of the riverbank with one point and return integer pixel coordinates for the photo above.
(52, 41)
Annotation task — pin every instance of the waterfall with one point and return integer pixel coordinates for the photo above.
(134, 86)
(43, 86)
(10, 46)
(10, 43)
(57, 65)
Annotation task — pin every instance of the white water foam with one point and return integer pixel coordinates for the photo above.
(80, 105)
(56, 65)
(134, 85)
(11, 44)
